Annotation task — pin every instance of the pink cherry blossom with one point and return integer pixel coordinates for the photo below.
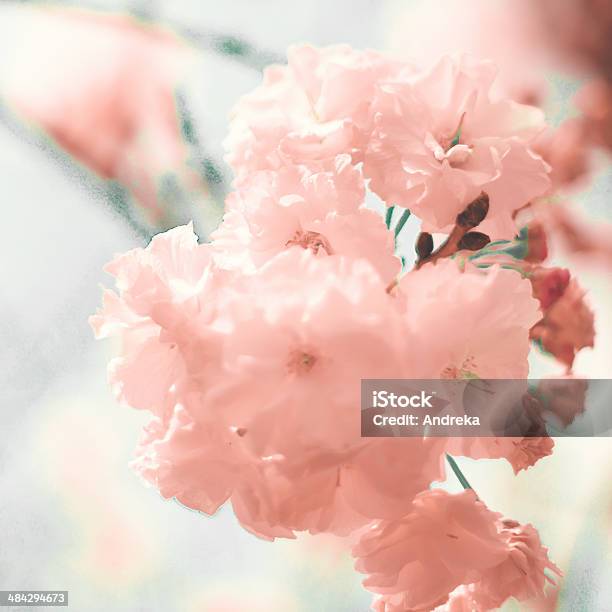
(496, 311)
(294, 207)
(439, 140)
(158, 296)
(314, 108)
(264, 394)
(415, 562)
(304, 331)
(250, 350)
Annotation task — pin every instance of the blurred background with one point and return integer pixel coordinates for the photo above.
(112, 117)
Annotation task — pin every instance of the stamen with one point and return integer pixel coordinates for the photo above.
(467, 370)
(301, 362)
(310, 240)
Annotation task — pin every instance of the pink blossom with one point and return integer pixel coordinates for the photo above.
(415, 562)
(314, 108)
(451, 553)
(250, 350)
(157, 302)
(304, 331)
(496, 310)
(103, 87)
(294, 207)
(257, 377)
(439, 141)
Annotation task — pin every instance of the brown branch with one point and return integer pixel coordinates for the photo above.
(461, 237)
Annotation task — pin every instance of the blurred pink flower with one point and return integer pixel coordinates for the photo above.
(595, 102)
(537, 243)
(548, 284)
(315, 108)
(415, 562)
(566, 149)
(580, 30)
(439, 140)
(317, 210)
(103, 87)
(567, 325)
(496, 310)
(564, 397)
(423, 31)
(579, 237)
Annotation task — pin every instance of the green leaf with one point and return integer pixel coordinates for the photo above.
(402, 222)
(458, 473)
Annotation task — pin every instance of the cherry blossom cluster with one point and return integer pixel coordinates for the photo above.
(249, 349)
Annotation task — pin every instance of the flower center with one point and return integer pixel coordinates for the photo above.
(450, 148)
(467, 370)
(301, 362)
(310, 240)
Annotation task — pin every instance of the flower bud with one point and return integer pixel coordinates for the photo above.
(424, 245)
(474, 213)
(537, 248)
(474, 241)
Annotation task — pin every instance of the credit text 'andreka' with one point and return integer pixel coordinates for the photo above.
(385, 399)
